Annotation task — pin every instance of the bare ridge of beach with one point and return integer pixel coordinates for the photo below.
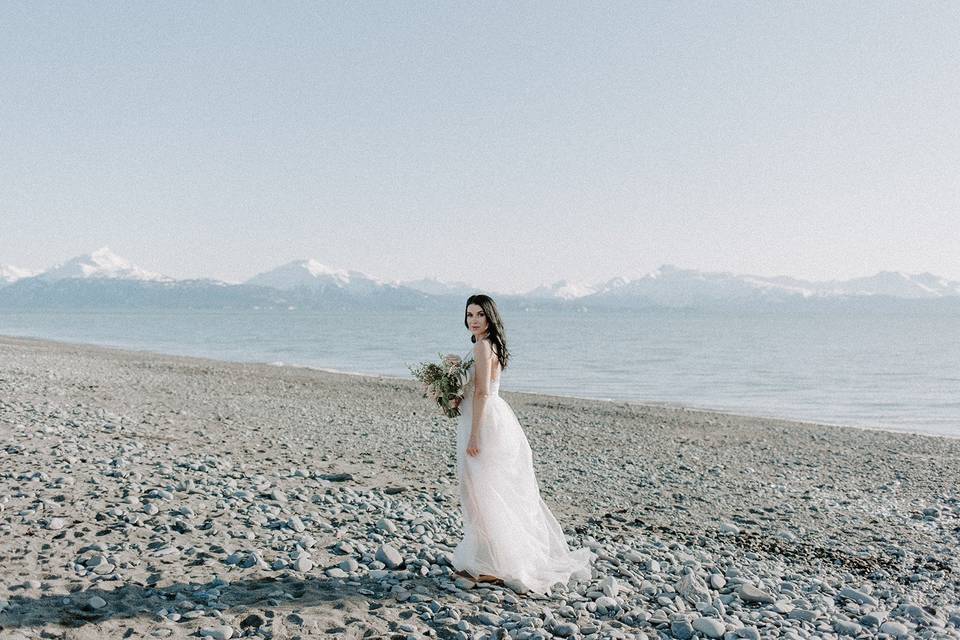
(155, 496)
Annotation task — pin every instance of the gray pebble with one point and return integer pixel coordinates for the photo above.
(750, 593)
(710, 627)
(389, 556)
(217, 633)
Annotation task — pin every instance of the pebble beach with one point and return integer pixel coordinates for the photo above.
(154, 496)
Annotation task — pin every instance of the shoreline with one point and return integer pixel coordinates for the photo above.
(357, 374)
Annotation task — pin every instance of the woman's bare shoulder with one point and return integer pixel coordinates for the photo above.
(483, 347)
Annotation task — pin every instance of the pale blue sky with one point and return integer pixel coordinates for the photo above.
(506, 144)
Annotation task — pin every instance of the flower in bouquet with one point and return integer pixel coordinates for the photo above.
(443, 382)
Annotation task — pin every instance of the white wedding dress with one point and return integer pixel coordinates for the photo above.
(508, 530)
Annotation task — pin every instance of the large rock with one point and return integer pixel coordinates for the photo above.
(847, 628)
(857, 596)
(609, 586)
(750, 593)
(565, 629)
(681, 628)
(217, 633)
(389, 556)
(710, 627)
(693, 589)
(896, 629)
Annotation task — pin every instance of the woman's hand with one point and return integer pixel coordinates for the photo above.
(473, 445)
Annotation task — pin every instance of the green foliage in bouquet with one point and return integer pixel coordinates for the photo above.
(444, 381)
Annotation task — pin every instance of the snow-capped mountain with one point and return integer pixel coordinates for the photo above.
(435, 287)
(103, 279)
(671, 286)
(10, 274)
(102, 263)
(563, 290)
(898, 285)
(310, 274)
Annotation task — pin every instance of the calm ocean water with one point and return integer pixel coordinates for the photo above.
(893, 371)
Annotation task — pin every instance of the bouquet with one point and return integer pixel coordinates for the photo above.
(443, 382)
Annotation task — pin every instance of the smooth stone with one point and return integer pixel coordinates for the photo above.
(490, 619)
(296, 524)
(729, 528)
(632, 556)
(565, 629)
(895, 629)
(296, 620)
(252, 560)
(389, 556)
(917, 614)
(56, 524)
(847, 628)
(337, 572)
(337, 477)
(217, 633)
(96, 602)
(386, 525)
(717, 581)
(750, 593)
(343, 548)
(857, 596)
(806, 615)
(681, 628)
(710, 627)
(349, 565)
(303, 564)
(750, 633)
(609, 586)
(464, 583)
(873, 619)
(251, 621)
(783, 607)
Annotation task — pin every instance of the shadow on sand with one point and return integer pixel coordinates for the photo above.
(267, 595)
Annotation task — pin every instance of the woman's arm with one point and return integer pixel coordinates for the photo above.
(482, 354)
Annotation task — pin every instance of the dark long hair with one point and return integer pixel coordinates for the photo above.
(494, 326)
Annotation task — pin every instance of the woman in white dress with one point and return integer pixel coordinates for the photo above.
(509, 534)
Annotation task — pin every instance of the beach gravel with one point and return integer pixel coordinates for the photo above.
(146, 495)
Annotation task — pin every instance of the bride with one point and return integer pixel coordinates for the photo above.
(510, 536)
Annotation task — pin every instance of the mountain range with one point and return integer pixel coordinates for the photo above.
(103, 279)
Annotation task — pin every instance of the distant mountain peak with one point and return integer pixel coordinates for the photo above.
(311, 274)
(10, 274)
(563, 290)
(435, 286)
(102, 263)
(318, 269)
